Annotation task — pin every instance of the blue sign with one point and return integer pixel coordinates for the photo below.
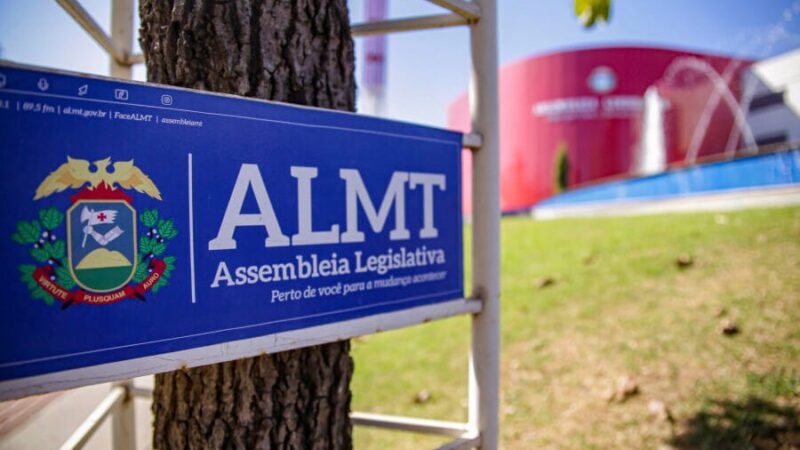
(141, 220)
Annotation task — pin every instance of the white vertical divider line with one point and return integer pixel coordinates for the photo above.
(191, 229)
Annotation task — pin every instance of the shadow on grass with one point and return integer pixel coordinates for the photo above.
(750, 424)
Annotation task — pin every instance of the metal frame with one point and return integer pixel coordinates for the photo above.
(482, 429)
(113, 401)
(120, 45)
(411, 24)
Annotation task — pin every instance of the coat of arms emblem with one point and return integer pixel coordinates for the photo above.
(102, 258)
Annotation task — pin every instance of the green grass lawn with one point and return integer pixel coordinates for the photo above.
(619, 306)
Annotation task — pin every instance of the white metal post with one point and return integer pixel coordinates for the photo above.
(123, 419)
(122, 36)
(484, 379)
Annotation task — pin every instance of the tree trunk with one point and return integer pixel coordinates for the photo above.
(297, 51)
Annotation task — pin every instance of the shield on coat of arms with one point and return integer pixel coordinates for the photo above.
(101, 243)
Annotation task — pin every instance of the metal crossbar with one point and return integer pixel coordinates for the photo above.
(86, 430)
(466, 9)
(465, 437)
(464, 13)
(87, 22)
(409, 24)
(462, 443)
(412, 424)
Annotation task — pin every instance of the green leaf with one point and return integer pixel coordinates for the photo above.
(141, 272)
(590, 12)
(146, 245)
(159, 248)
(56, 249)
(167, 229)
(149, 218)
(36, 291)
(64, 277)
(41, 294)
(40, 254)
(27, 269)
(51, 218)
(26, 275)
(170, 262)
(159, 284)
(27, 232)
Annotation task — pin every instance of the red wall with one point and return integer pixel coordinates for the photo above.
(548, 101)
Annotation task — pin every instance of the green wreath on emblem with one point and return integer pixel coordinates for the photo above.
(48, 250)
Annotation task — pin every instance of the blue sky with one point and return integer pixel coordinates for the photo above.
(428, 69)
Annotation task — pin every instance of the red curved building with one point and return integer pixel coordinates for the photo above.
(574, 117)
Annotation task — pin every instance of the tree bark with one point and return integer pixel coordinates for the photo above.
(297, 51)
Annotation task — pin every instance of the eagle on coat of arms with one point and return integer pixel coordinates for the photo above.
(75, 173)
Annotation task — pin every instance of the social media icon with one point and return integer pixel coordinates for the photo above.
(121, 94)
(166, 100)
(2, 80)
(43, 85)
(83, 90)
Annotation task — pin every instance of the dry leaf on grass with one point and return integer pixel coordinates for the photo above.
(728, 327)
(544, 282)
(684, 261)
(659, 410)
(625, 388)
(422, 396)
